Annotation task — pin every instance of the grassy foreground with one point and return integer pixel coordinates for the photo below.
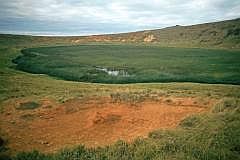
(213, 135)
(209, 136)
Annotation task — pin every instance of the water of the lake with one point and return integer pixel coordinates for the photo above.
(122, 73)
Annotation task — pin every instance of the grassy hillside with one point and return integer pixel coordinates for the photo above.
(225, 34)
(213, 135)
(132, 63)
(207, 136)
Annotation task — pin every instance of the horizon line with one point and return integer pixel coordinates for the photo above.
(62, 34)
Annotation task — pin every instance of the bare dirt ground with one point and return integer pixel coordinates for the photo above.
(93, 122)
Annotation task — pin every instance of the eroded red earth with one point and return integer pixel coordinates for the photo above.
(93, 122)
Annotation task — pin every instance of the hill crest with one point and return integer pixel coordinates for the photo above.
(223, 34)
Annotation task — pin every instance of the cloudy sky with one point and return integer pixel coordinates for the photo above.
(84, 17)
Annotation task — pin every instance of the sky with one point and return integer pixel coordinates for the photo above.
(88, 17)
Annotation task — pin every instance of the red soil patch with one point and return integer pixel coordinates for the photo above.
(99, 122)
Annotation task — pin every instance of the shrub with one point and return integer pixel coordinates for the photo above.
(226, 104)
(1, 142)
(233, 32)
(34, 155)
(4, 156)
(28, 105)
(190, 121)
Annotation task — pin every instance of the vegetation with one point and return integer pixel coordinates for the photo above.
(213, 135)
(28, 105)
(223, 34)
(132, 63)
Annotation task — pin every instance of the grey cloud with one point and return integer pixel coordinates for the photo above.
(109, 16)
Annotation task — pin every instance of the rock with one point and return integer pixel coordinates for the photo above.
(149, 38)
(12, 122)
(44, 143)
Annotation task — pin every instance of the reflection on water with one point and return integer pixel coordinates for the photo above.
(113, 72)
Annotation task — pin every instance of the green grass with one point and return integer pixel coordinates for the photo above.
(207, 136)
(142, 63)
